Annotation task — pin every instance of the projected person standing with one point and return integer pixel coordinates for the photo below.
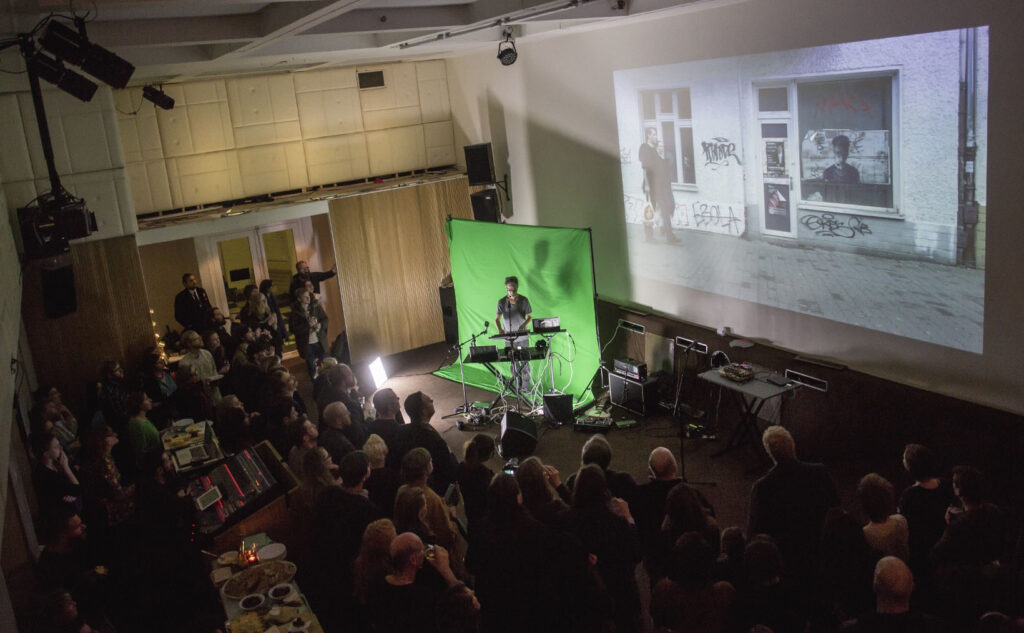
(660, 177)
(514, 315)
(841, 172)
(649, 162)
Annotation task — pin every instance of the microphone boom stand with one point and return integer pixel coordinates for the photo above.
(464, 408)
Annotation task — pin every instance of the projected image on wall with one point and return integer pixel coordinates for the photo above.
(845, 182)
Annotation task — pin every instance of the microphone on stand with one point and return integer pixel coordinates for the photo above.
(487, 326)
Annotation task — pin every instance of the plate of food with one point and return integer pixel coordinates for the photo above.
(258, 579)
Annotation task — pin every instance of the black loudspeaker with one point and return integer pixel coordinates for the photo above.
(449, 317)
(479, 164)
(558, 408)
(485, 205)
(58, 285)
(634, 395)
(518, 435)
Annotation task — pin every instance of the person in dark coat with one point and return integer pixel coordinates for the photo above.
(789, 504)
(302, 275)
(418, 433)
(192, 307)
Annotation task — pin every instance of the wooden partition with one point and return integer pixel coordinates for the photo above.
(392, 254)
(112, 320)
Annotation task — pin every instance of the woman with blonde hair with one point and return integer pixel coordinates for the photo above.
(374, 559)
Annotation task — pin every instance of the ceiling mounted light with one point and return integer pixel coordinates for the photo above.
(507, 54)
(75, 48)
(159, 98)
(51, 70)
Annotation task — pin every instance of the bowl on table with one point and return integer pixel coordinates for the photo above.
(281, 591)
(252, 602)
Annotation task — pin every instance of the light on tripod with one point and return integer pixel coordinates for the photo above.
(507, 54)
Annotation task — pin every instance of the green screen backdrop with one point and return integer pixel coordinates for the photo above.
(556, 273)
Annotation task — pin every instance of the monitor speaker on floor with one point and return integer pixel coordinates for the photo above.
(518, 435)
(558, 408)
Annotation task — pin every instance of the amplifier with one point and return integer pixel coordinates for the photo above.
(635, 369)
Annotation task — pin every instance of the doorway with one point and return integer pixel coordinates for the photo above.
(247, 258)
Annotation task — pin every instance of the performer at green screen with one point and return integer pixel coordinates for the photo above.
(514, 315)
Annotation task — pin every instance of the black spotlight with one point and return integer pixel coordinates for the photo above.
(507, 54)
(159, 98)
(51, 70)
(75, 48)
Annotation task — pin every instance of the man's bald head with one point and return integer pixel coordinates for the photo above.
(336, 415)
(893, 585)
(406, 551)
(662, 464)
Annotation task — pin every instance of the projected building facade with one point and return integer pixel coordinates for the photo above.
(873, 148)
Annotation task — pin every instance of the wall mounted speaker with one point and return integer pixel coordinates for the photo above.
(485, 205)
(479, 164)
(58, 285)
(518, 435)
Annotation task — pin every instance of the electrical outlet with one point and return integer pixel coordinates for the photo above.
(683, 342)
(806, 380)
(633, 327)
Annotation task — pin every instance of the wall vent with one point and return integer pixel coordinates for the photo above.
(371, 79)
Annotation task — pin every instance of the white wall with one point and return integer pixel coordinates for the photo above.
(556, 110)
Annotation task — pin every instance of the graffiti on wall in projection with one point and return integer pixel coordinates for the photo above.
(828, 225)
(719, 152)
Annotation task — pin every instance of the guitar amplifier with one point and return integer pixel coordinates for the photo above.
(638, 396)
(631, 368)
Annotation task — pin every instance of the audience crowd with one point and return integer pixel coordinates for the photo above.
(382, 546)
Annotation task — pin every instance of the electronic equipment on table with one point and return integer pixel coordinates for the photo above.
(492, 354)
(242, 480)
(547, 325)
(737, 372)
(631, 368)
(191, 444)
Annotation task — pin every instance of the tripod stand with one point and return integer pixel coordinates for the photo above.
(465, 408)
(689, 412)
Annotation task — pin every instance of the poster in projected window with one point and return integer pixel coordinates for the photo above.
(839, 165)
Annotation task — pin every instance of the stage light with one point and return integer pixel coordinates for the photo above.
(378, 374)
(51, 70)
(75, 48)
(507, 54)
(159, 98)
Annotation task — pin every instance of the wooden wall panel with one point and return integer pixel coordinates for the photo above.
(392, 254)
(112, 320)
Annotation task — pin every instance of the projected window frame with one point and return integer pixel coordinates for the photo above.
(669, 110)
(863, 109)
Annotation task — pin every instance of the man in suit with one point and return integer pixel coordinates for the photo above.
(789, 504)
(192, 307)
